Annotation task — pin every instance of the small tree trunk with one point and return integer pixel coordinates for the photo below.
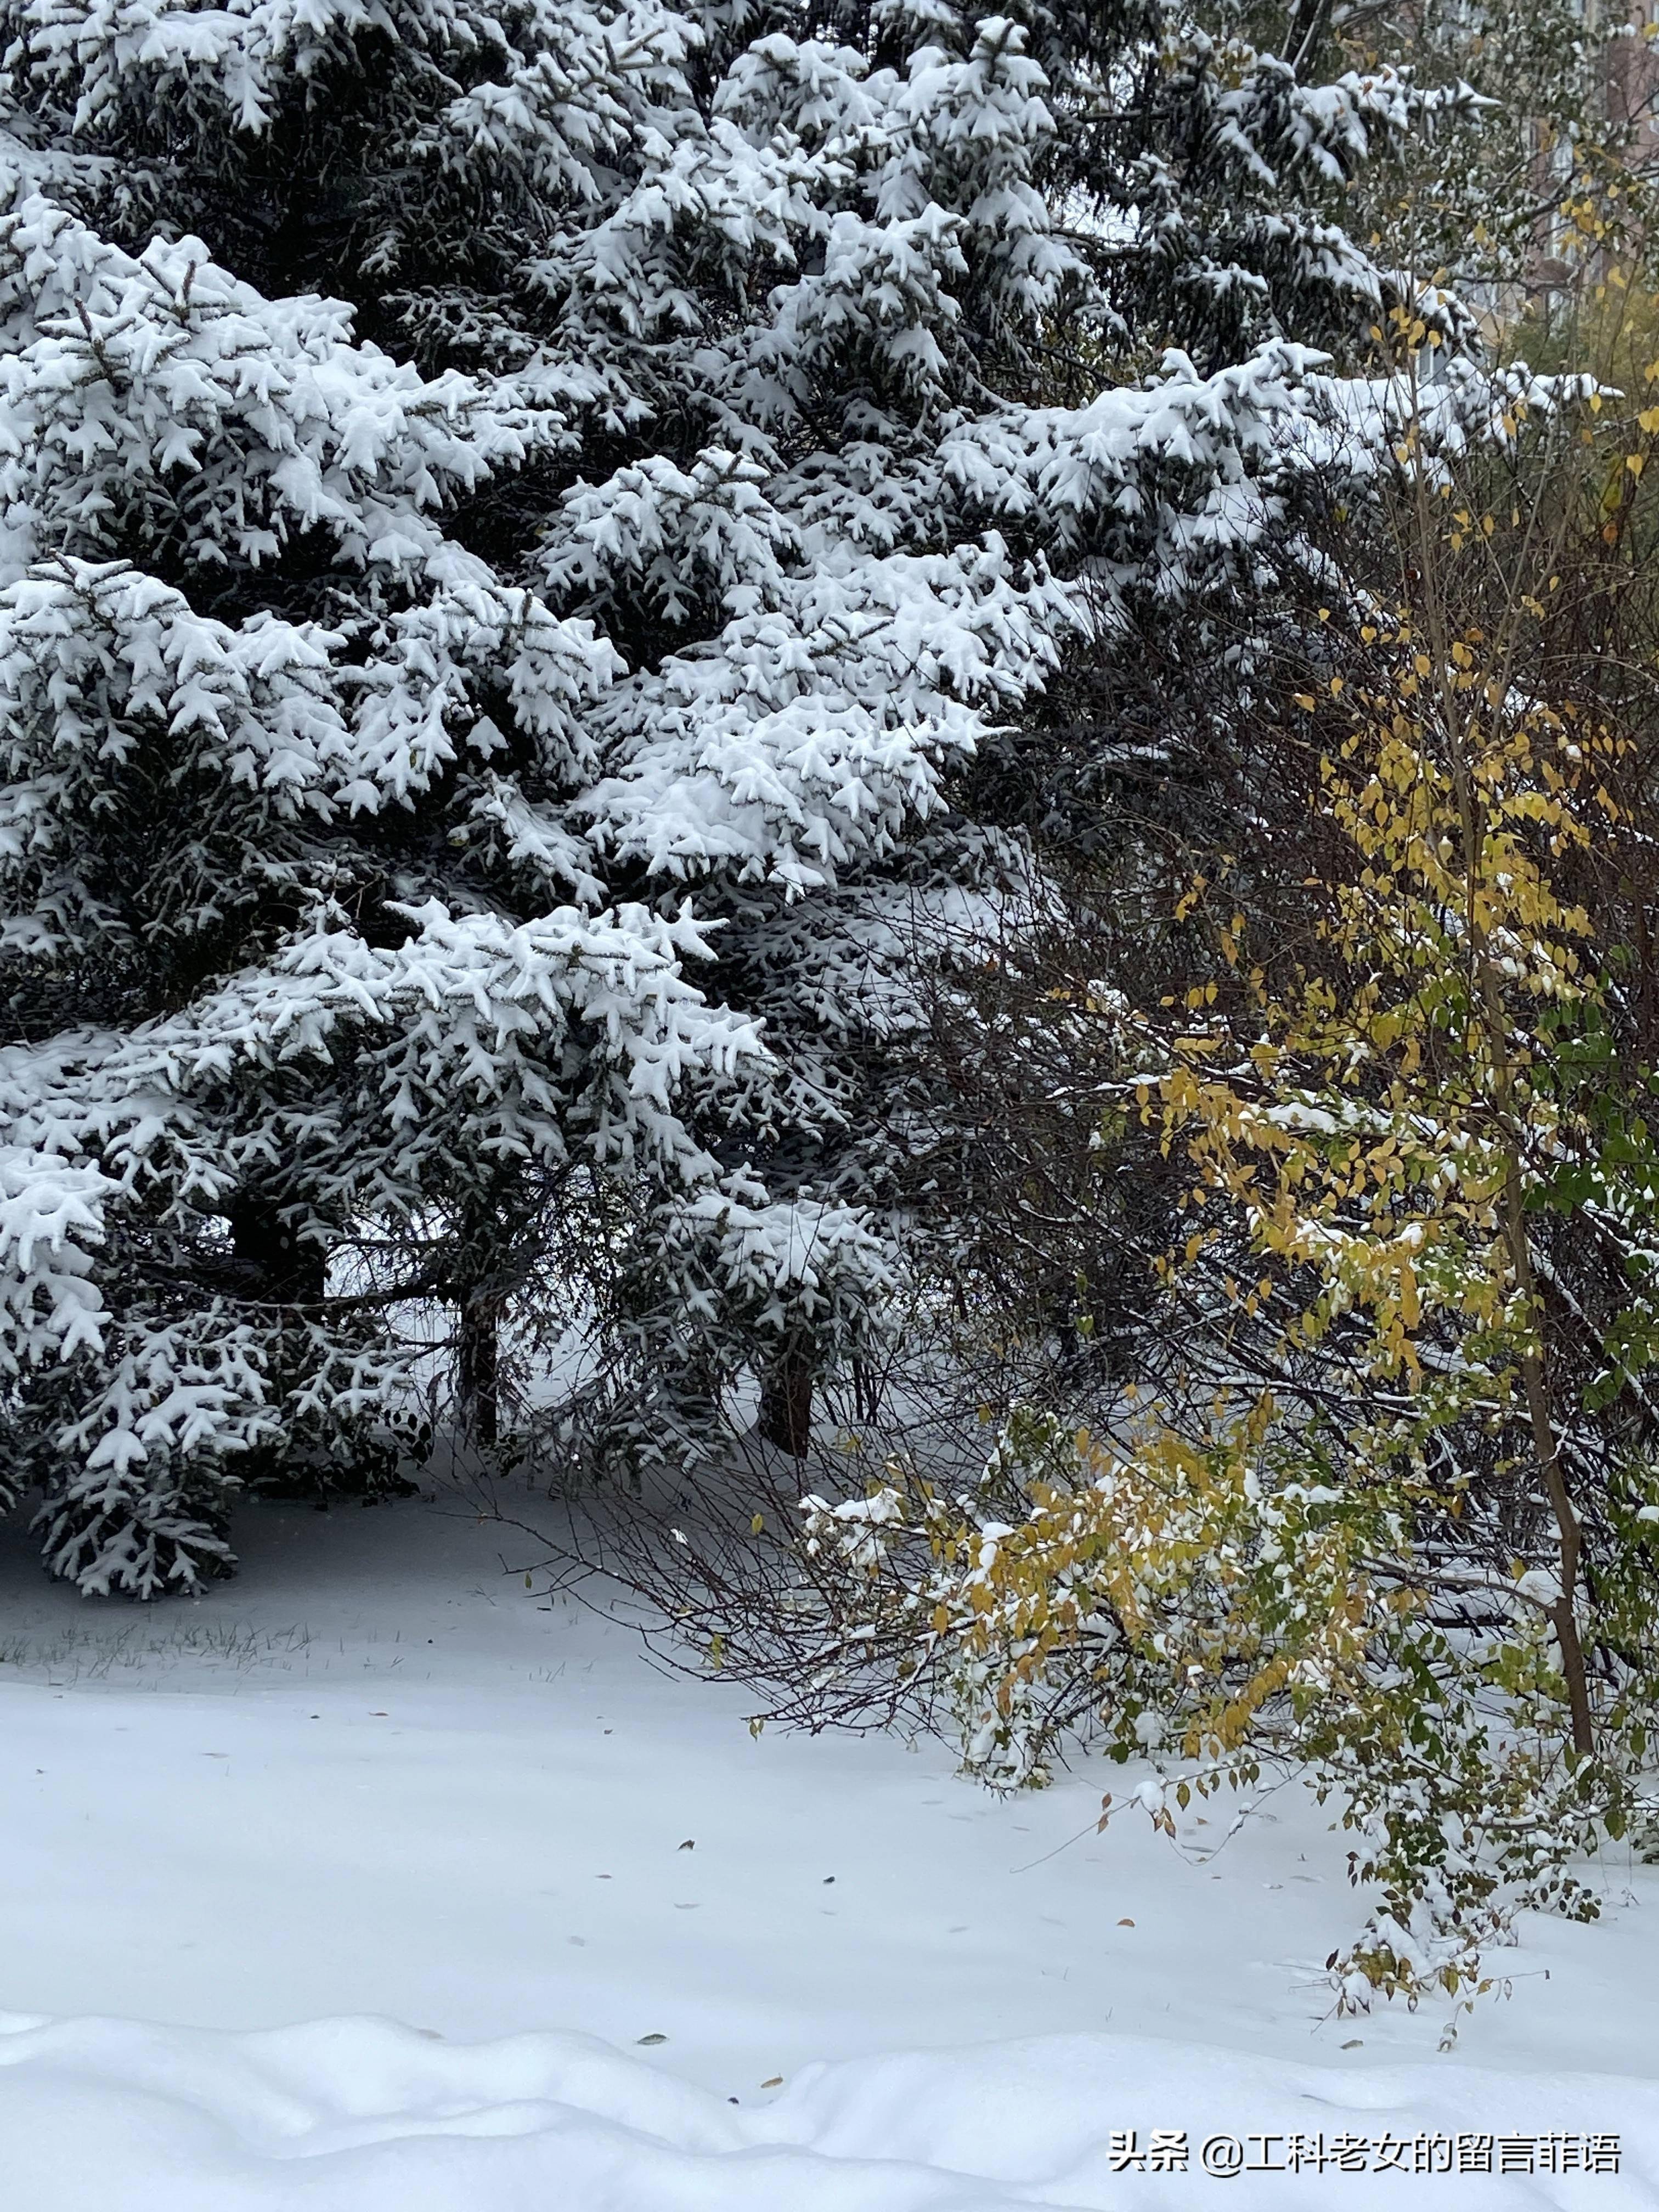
(1564, 1613)
(479, 1367)
(786, 1407)
(866, 1390)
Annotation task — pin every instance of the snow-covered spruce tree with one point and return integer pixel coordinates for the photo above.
(425, 716)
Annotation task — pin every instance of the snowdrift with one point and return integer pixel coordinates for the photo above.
(363, 2115)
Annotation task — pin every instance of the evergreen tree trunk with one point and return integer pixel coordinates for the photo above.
(478, 1378)
(786, 1407)
(275, 1268)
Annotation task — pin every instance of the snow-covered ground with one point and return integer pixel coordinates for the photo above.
(560, 1933)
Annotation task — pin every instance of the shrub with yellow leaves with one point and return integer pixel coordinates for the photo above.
(1395, 1531)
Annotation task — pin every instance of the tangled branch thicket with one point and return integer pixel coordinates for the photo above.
(1305, 1301)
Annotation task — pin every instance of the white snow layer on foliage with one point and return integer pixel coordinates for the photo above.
(117, 370)
(49, 1215)
(356, 2115)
